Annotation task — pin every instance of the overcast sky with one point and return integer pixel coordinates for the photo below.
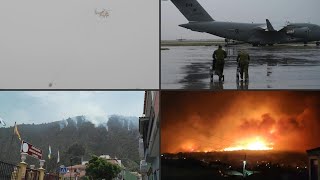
(277, 11)
(42, 107)
(65, 42)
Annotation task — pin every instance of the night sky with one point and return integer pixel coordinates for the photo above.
(212, 121)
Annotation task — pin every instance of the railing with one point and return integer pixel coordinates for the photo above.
(8, 171)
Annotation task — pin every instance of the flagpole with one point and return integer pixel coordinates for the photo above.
(15, 132)
(12, 134)
(49, 155)
(58, 167)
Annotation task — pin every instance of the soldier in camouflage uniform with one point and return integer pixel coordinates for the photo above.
(243, 60)
(218, 56)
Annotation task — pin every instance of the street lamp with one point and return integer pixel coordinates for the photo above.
(23, 156)
(42, 163)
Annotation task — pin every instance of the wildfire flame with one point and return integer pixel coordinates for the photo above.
(257, 143)
(233, 120)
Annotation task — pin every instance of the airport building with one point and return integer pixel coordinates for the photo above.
(314, 163)
(150, 137)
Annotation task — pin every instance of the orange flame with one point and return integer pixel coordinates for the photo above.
(257, 143)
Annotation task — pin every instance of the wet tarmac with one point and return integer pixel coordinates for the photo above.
(275, 67)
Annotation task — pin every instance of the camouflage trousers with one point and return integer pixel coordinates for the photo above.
(219, 68)
(244, 70)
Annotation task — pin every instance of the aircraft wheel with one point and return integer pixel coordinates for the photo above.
(318, 43)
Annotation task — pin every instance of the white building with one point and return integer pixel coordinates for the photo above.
(75, 172)
(150, 137)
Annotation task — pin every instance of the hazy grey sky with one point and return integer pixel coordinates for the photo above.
(277, 11)
(46, 106)
(64, 41)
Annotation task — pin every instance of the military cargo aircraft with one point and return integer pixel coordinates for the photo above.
(256, 34)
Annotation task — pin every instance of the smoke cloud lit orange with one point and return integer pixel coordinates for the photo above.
(236, 120)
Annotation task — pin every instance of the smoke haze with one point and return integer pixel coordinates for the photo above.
(211, 121)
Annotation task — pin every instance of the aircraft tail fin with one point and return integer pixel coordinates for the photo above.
(192, 10)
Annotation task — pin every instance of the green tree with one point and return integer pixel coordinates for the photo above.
(99, 168)
(76, 150)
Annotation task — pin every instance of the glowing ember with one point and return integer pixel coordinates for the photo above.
(251, 144)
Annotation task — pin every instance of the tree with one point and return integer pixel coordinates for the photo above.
(99, 168)
(76, 150)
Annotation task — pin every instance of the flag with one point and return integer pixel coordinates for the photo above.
(2, 122)
(15, 131)
(58, 159)
(49, 154)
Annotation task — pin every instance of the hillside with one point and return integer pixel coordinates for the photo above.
(75, 137)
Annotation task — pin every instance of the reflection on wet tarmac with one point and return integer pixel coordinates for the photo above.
(242, 85)
(192, 80)
(216, 85)
(277, 67)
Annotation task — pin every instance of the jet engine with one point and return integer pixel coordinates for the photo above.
(302, 32)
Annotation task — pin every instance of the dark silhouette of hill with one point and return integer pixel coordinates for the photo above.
(75, 138)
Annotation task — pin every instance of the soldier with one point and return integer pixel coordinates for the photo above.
(218, 57)
(243, 62)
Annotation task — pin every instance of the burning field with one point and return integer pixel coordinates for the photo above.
(239, 120)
